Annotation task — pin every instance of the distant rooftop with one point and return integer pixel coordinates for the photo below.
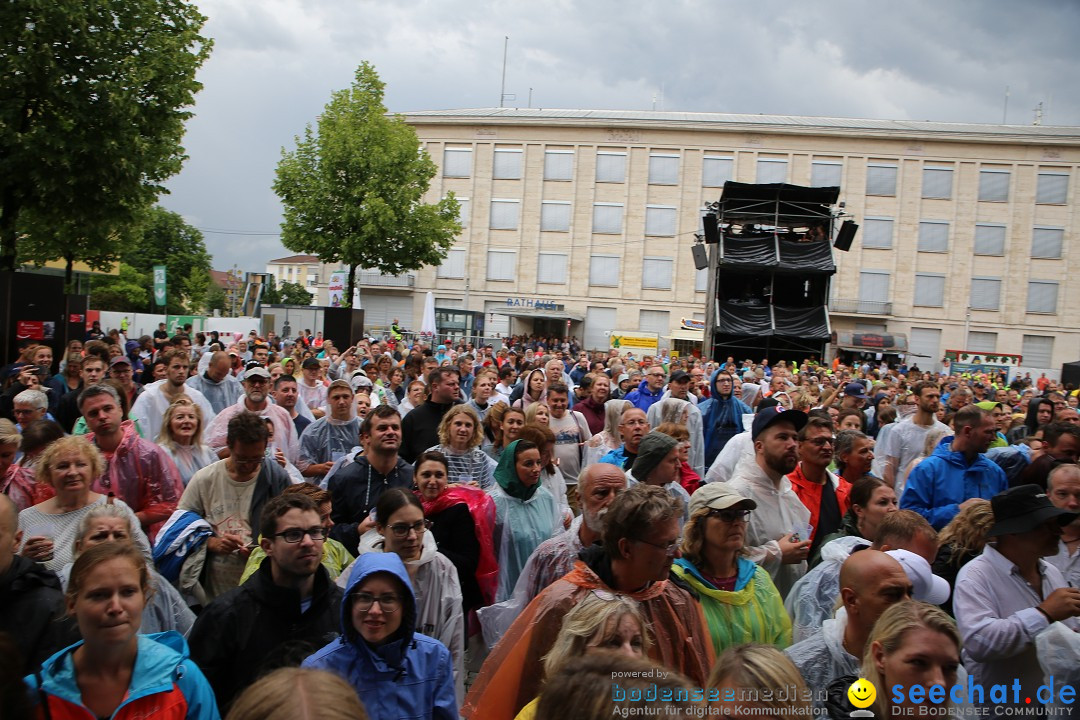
(295, 260)
(762, 123)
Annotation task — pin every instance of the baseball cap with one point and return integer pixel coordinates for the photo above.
(855, 390)
(926, 586)
(679, 376)
(772, 415)
(256, 370)
(717, 496)
(120, 360)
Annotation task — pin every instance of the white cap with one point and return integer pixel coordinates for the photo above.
(928, 587)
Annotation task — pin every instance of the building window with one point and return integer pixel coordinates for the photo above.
(715, 171)
(981, 342)
(929, 290)
(1053, 188)
(504, 214)
(558, 164)
(994, 185)
(1042, 296)
(660, 220)
(656, 273)
(881, 179)
(457, 162)
(507, 164)
(555, 216)
(463, 211)
(825, 173)
(989, 239)
(937, 183)
(874, 287)
(933, 236)
(453, 265)
(604, 271)
(551, 268)
(771, 170)
(701, 280)
(610, 167)
(607, 218)
(654, 321)
(312, 280)
(1038, 351)
(985, 293)
(502, 265)
(877, 232)
(1046, 242)
(663, 169)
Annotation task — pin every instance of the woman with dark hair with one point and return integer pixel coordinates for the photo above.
(401, 528)
(1040, 412)
(525, 511)
(871, 501)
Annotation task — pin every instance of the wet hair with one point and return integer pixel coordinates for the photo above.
(101, 388)
(105, 510)
(863, 489)
(969, 416)
(849, 412)
(92, 557)
(558, 387)
(291, 692)
(431, 456)
(76, 443)
(814, 423)
(277, 506)
(165, 436)
(678, 431)
(900, 527)
(391, 501)
(756, 668)
(314, 492)
(284, 377)
(634, 512)
(40, 434)
(448, 418)
(967, 532)
(591, 617)
(845, 441)
(377, 412)
(246, 427)
(175, 353)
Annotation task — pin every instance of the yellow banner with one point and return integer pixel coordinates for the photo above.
(638, 343)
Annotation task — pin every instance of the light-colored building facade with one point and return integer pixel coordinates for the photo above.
(584, 220)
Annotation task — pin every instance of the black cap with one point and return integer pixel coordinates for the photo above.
(310, 363)
(679, 376)
(1023, 508)
(770, 416)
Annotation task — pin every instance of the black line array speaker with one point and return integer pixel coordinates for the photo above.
(846, 235)
(712, 229)
(701, 256)
(344, 326)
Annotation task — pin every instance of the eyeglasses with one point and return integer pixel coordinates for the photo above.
(401, 530)
(656, 374)
(295, 535)
(821, 441)
(730, 515)
(670, 549)
(387, 603)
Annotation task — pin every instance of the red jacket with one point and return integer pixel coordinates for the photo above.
(810, 494)
(594, 414)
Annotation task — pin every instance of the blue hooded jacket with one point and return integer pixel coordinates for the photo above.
(409, 676)
(937, 485)
(721, 418)
(643, 398)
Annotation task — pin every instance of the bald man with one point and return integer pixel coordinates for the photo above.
(870, 581)
(598, 484)
(32, 608)
(218, 385)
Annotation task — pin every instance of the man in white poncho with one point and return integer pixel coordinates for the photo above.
(217, 383)
(256, 399)
(332, 436)
(150, 407)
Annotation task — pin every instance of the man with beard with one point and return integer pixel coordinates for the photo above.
(150, 408)
(777, 535)
(255, 399)
(823, 494)
(905, 442)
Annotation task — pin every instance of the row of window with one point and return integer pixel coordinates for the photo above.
(881, 178)
(505, 214)
(657, 273)
(985, 294)
(1038, 350)
(1046, 242)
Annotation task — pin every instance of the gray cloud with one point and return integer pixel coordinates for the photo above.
(276, 63)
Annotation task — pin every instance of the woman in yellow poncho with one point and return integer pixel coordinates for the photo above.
(741, 603)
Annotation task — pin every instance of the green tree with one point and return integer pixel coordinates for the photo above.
(353, 190)
(95, 99)
(216, 300)
(288, 294)
(197, 289)
(127, 292)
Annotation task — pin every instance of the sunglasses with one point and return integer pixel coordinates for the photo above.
(730, 515)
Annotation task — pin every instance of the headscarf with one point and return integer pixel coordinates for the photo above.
(749, 393)
(482, 509)
(507, 477)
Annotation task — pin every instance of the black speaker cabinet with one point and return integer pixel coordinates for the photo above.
(712, 230)
(701, 256)
(344, 326)
(846, 235)
(1070, 374)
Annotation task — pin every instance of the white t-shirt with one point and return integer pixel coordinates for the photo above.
(906, 441)
(571, 430)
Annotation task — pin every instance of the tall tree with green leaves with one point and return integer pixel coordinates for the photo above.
(287, 294)
(353, 189)
(95, 96)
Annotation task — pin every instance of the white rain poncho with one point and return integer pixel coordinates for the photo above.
(549, 562)
(674, 408)
(813, 597)
(738, 450)
(284, 429)
(438, 599)
(327, 440)
(555, 483)
(149, 408)
(821, 658)
(220, 395)
(779, 512)
(474, 465)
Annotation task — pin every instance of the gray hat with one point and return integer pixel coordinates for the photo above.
(654, 447)
(718, 496)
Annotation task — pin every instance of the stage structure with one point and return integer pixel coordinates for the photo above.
(770, 262)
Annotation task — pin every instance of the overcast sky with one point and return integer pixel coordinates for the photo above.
(276, 62)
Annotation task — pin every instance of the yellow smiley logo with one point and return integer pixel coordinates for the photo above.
(862, 693)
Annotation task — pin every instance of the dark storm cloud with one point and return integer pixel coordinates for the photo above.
(276, 62)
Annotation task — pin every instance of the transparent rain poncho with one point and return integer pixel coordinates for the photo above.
(813, 598)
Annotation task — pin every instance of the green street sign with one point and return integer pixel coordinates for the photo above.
(159, 284)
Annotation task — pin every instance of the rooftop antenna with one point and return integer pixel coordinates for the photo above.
(502, 89)
(1005, 111)
(1038, 114)
(530, 97)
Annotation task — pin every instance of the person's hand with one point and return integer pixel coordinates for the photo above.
(1061, 604)
(279, 457)
(38, 548)
(365, 525)
(225, 544)
(792, 552)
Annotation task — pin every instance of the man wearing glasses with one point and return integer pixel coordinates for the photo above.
(819, 489)
(256, 399)
(286, 610)
(650, 390)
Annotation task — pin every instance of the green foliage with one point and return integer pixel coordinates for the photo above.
(353, 189)
(127, 292)
(288, 294)
(95, 100)
(197, 289)
(216, 300)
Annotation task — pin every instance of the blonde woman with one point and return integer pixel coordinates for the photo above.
(181, 438)
(961, 541)
(290, 693)
(745, 672)
(460, 437)
(538, 414)
(599, 622)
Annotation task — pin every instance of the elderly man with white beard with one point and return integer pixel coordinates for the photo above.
(598, 484)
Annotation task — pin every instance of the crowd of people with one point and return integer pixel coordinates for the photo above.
(198, 525)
